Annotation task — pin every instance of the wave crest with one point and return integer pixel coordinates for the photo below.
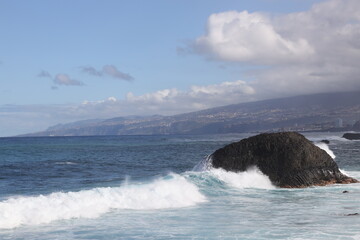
(326, 148)
(172, 191)
(252, 178)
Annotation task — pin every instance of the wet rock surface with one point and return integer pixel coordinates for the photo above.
(352, 136)
(288, 158)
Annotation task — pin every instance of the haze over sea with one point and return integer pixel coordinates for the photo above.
(160, 187)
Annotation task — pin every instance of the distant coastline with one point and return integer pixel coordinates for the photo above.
(324, 112)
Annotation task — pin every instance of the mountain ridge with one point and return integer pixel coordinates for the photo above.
(300, 113)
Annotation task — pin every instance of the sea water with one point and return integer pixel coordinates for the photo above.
(163, 187)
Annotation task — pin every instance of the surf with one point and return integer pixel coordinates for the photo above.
(251, 178)
(171, 191)
(326, 148)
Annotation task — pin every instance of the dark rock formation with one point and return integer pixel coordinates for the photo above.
(288, 158)
(352, 214)
(352, 136)
(325, 141)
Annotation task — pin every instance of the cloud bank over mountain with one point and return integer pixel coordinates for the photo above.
(297, 53)
(303, 52)
(281, 55)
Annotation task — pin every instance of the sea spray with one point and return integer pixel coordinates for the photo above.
(252, 178)
(326, 148)
(172, 191)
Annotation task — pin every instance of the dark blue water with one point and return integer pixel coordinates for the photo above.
(48, 164)
(144, 187)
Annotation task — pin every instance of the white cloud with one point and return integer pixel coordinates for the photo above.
(238, 88)
(306, 52)
(60, 79)
(92, 71)
(165, 102)
(109, 70)
(112, 99)
(160, 96)
(64, 79)
(109, 99)
(173, 101)
(115, 73)
(249, 37)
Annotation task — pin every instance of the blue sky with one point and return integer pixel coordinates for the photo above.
(62, 61)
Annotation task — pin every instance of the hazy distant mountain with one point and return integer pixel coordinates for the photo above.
(301, 113)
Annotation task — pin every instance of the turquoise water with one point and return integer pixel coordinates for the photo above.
(155, 187)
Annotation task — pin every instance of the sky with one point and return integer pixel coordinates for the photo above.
(64, 61)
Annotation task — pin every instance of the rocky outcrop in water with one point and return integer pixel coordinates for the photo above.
(288, 158)
(325, 141)
(352, 136)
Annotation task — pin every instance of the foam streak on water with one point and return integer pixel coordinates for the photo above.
(172, 191)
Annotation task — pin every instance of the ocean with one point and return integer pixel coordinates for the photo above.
(162, 187)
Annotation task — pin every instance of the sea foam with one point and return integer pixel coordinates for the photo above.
(172, 191)
(251, 178)
(326, 148)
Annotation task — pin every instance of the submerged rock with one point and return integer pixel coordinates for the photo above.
(288, 158)
(352, 214)
(352, 136)
(325, 141)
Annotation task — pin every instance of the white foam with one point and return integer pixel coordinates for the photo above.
(353, 174)
(173, 191)
(65, 163)
(252, 178)
(326, 148)
(344, 172)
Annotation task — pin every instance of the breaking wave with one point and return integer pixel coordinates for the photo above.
(252, 178)
(171, 191)
(326, 148)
